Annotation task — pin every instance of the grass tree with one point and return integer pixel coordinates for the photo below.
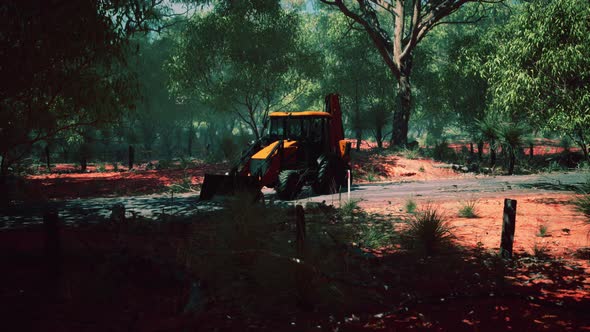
(511, 137)
(488, 130)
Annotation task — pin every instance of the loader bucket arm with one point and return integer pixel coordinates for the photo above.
(336, 128)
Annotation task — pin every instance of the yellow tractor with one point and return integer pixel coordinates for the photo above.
(301, 148)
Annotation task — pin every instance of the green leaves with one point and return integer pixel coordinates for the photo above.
(541, 68)
(243, 57)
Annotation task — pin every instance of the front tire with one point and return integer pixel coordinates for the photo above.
(288, 186)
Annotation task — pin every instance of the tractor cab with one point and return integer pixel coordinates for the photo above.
(310, 128)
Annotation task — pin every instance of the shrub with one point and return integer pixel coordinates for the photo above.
(443, 152)
(101, 168)
(421, 169)
(542, 231)
(350, 208)
(411, 153)
(115, 166)
(427, 232)
(553, 166)
(164, 164)
(411, 206)
(468, 209)
(373, 236)
(582, 205)
(371, 175)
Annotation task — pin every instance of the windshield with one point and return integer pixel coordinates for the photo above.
(298, 128)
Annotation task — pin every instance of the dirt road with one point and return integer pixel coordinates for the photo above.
(150, 206)
(472, 187)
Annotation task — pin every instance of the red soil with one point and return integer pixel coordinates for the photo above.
(61, 185)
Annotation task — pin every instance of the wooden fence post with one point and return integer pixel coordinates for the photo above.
(300, 229)
(302, 275)
(52, 250)
(131, 156)
(47, 158)
(508, 227)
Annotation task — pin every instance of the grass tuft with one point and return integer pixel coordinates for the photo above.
(371, 235)
(582, 202)
(543, 231)
(427, 232)
(411, 206)
(468, 209)
(350, 208)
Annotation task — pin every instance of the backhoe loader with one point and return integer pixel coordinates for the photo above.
(301, 148)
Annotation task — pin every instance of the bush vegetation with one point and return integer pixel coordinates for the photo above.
(468, 209)
(427, 232)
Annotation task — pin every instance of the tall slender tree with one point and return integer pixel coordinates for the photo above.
(396, 27)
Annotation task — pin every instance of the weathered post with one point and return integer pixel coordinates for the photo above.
(302, 278)
(131, 156)
(47, 158)
(83, 163)
(52, 250)
(508, 227)
(118, 213)
(299, 229)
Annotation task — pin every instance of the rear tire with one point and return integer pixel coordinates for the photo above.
(289, 185)
(329, 176)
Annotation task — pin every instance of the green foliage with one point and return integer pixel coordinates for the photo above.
(411, 153)
(540, 65)
(553, 166)
(245, 59)
(350, 208)
(411, 206)
(582, 205)
(355, 69)
(373, 235)
(371, 175)
(468, 209)
(101, 167)
(542, 231)
(67, 67)
(427, 232)
(443, 152)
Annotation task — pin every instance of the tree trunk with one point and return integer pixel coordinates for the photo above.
(3, 167)
(379, 134)
(531, 149)
(357, 117)
(47, 158)
(492, 154)
(480, 150)
(511, 161)
(401, 115)
(585, 151)
(191, 135)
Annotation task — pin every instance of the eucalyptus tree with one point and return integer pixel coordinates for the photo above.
(540, 71)
(63, 67)
(243, 57)
(353, 68)
(396, 27)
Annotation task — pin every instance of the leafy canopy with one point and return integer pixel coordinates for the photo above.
(541, 68)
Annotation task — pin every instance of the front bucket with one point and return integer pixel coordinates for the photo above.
(228, 185)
